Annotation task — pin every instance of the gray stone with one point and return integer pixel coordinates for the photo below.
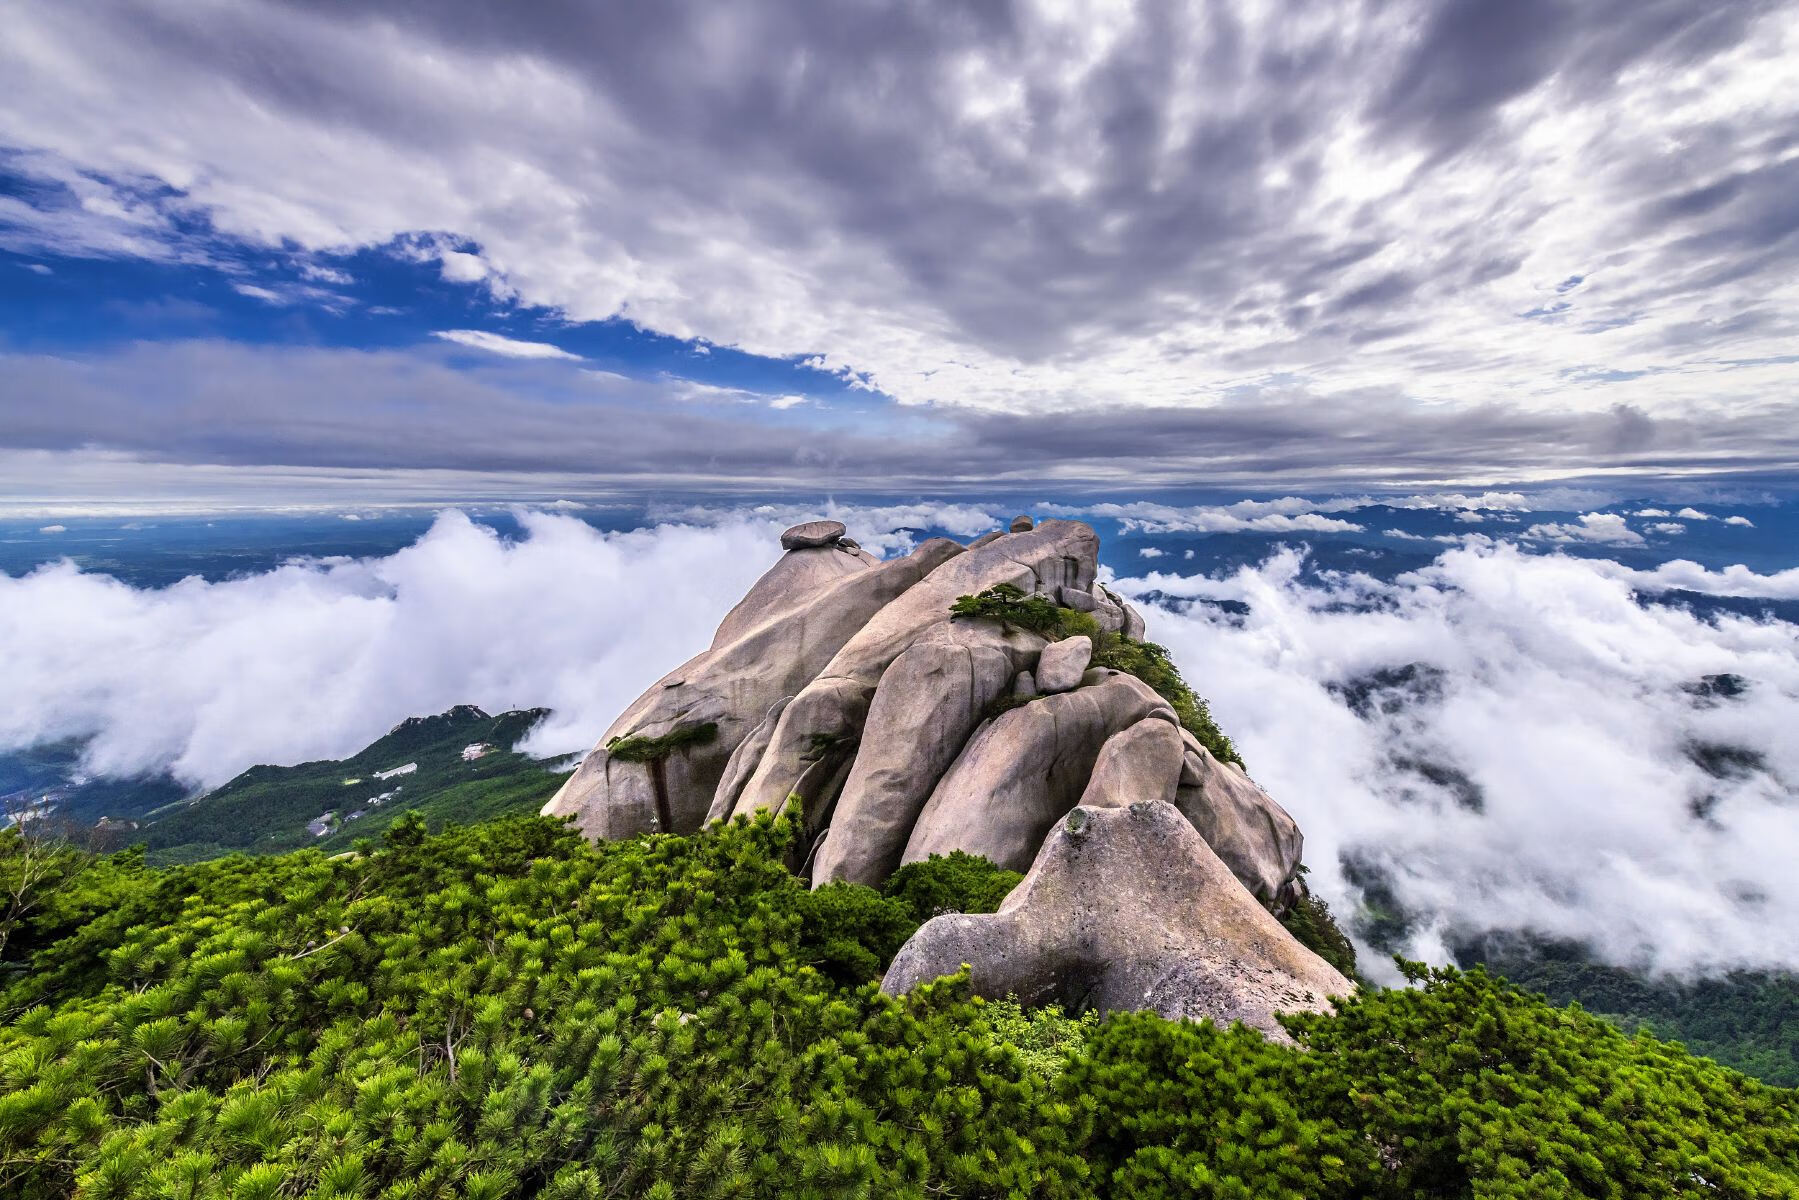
(1254, 836)
(732, 686)
(1022, 524)
(1075, 598)
(985, 538)
(1023, 770)
(1128, 909)
(1133, 628)
(923, 710)
(796, 578)
(1139, 763)
(1063, 663)
(743, 760)
(833, 707)
(1108, 609)
(1024, 685)
(812, 533)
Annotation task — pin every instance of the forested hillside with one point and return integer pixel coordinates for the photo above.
(510, 1010)
(459, 766)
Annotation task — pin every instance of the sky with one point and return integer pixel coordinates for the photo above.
(265, 249)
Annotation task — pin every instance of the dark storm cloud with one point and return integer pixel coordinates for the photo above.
(218, 403)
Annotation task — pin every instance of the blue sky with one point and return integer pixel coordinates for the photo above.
(267, 247)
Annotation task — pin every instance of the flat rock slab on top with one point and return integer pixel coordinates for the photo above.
(1128, 909)
(812, 533)
(1022, 524)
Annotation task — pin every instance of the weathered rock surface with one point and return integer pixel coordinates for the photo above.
(796, 578)
(1254, 836)
(833, 706)
(1022, 524)
(1063, 663)
(1022, 771)
(731, 686)
(812, 533)
(1128, 908)
(841, 686)
(1139, 763)
(923, 710)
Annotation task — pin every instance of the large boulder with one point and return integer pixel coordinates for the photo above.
(813, 534)
(796, 578)
(1128, 908)
(1022, 771)
(1139, 763)
(1254, 836)
(1062, 664)
(732, 687)
(830, 710)
(924, 708)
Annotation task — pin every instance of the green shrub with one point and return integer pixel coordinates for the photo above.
(508, 1010)
(648, 749)
(1310, 922)
(956, 882)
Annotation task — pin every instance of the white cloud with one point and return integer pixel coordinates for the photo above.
(1403, 536)
(1606, 528)
(314, 660)
(1668, 527)
(1693, 514)
(1686, 576)
(1291, 514)
(1150, 552)
(53, 529)
(493, 343)
(786, 401)
(1652, 512)
(39, 269)
(687, 212)
(1562, 702)
(1745, 522)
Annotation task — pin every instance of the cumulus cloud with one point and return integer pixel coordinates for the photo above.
(1685, 576)
(1016, 207)
(1605, 528)
(1744, 522)
(1515, 741)
(316, 659)
(1666, 527)
(1150, 552)
(493, 343)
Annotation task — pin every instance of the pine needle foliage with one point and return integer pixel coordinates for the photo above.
(507, 1010)
(648, 749)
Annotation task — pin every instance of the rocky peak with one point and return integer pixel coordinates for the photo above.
(844, 689)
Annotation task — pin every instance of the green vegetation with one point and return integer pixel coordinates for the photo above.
(1146, 660)
(1005, 602)
(507, 1010)
(1310, 922)
(651, 749)
(1747, 1019)
(268, 809)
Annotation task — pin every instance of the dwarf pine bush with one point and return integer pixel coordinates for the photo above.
(507, 1010)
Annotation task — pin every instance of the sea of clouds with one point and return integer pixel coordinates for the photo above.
(1510, 739)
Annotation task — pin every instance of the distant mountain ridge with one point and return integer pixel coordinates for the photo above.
(458, 765)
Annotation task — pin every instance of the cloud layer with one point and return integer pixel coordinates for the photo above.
(1520, 226)
(1513, 741)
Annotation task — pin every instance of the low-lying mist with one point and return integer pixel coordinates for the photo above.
(1503, 740)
